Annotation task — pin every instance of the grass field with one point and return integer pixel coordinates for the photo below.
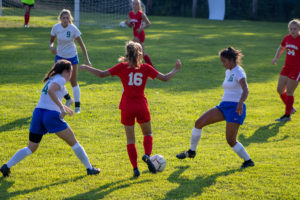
(54, 172)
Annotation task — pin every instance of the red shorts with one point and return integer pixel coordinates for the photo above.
(140, 35)
(140, 112)
(291, 72)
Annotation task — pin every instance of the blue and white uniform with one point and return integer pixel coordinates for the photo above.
(46, 115)
(66, 48)
(232, 95)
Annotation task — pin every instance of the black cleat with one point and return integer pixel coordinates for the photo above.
(151, 166)
(5, 170)
(284, 118)
(136, 172)
(248, 163)
(93, 171)
(187, 154)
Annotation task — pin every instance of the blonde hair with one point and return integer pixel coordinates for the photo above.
(140, 5)
(294, 22)
(63, 12)
(232, 54)
(134, 54)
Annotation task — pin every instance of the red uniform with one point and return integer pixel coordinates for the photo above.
(133, 103)
(291, 67)
(136, 22)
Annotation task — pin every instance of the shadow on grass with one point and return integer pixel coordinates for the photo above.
(6, 184)
(262, 134)
(193, 187)
(18, 123)
(102, 191)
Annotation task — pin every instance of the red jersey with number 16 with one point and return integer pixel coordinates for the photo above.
(134, 81)
(292, 46)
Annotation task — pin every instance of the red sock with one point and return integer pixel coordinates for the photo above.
(283, 97)
(132, 153)
(147, 60)
(289, 104)
(148, 143)
(26, 18)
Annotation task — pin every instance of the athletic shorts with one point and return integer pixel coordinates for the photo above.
(25, 4)
(140, 113)
(291, 72)
(228, 109)
(74, 60)
(140, 35)
(44, 121)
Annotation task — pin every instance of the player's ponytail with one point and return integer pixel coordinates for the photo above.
(58, 68)
(134, 54)
(232, 54)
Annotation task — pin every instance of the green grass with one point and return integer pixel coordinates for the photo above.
(54, 172)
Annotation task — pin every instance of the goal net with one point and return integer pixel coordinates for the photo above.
(105, 13)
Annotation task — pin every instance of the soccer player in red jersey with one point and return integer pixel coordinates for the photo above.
(134, 74)
(136, 19)
(290, 73)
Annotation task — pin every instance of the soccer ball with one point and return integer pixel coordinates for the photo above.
(159, 162)
(122, 24)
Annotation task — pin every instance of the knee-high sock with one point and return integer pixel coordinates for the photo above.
(76, 93)
(240, 150)
(147, 59)
(80, 153)
(196, 135)
(289, 104)
(148, 143)
(26, 18)
(132, 153)
(283, 97)
(20, 155)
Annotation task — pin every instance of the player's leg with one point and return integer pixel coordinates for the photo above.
(75, 87)
(148, 144)
(211, 116)
(281, 87)
(131, 149)
(34, 140)
(238, 148)
(291, 87)
(68, 136)
(26, 15)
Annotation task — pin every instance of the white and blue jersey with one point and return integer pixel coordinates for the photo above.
(46, 115)
(232, 95)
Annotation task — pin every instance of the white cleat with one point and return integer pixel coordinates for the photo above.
(77, 109)
(69, 102)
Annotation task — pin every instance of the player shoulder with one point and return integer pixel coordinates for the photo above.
(57, 26)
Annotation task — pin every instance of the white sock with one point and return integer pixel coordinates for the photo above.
(65, 91)
(20, 155)
(196, 135)
(240, 150)
(80, 153)
(76, 93)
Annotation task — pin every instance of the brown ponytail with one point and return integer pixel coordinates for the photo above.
(232, 54)
(58, 68)
(134, 54)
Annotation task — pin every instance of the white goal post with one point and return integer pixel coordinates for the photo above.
(106, 13)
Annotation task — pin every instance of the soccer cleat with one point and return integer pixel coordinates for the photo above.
(77, 109)
(5, 170)
(187, 154)
(284, 118)
(248, 163)
(93, 171)
(151, 166)
(69, 102)
(26, 26)
(136, 172)
(293, 111)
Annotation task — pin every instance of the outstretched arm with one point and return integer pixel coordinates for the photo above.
(84, 51)
(96, 72)
(277, 54)
(168, 76)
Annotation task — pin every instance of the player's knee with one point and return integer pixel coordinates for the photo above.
(199, 123)
(74, 83)
(231, 141)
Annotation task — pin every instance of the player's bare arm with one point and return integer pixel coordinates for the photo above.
(84, 51)
(96, 72)
(168, 76)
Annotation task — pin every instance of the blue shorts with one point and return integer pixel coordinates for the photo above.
(74, 60)
(229, 111)
(44, 121)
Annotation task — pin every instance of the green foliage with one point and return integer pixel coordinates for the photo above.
(54, 172)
